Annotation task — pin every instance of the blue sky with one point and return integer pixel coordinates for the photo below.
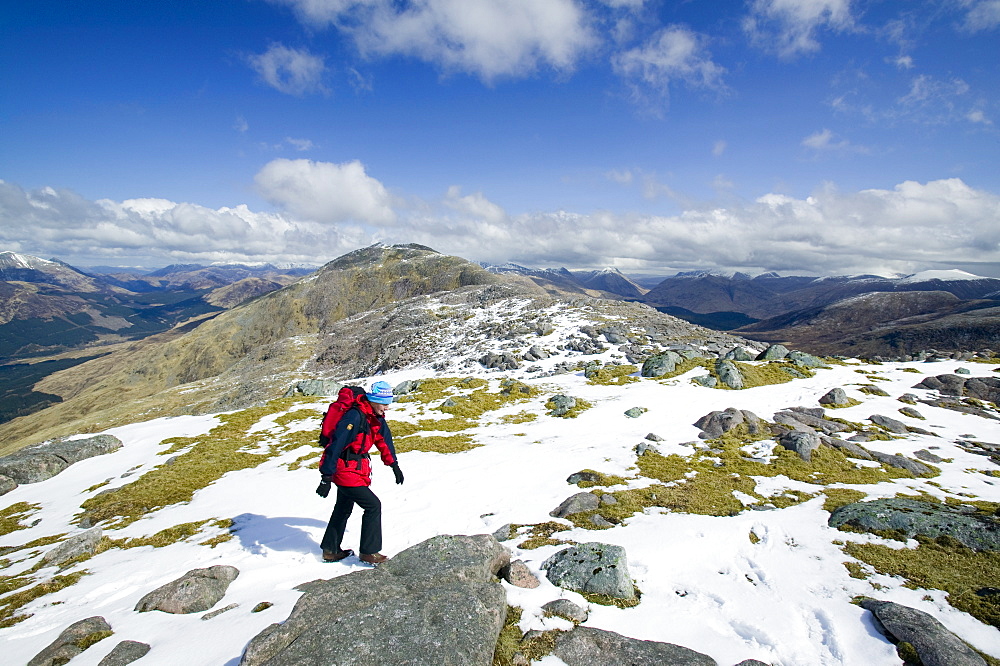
(805, 136)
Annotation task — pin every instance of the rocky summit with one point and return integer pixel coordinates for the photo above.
(586, 481)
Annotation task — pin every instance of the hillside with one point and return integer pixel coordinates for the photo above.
(729, 539)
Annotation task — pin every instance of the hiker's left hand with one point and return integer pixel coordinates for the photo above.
(397, 472)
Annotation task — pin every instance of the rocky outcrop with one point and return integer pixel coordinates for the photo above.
(84, 543)
(560, 405)
(729, 374)
(196, 591)
(913, 517)
(125, 653)
(43, 461)
(933, 643)
(835, 397)
(311, 387)
(715, 424)
(76, 638)
(773, 353)
(980, 388)
(577, 503)
(437, 603)
(594, 568)
(584, 646)
(661, 364)
(802, 443)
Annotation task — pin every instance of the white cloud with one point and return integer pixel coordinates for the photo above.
(902, 62)
(904, 229)
(719, 147)
(978, 116)
(673, 54)
(981, 14)
(300, 144)
(325, 192)
(487, 38)
(291, 71)
(826, 140)
(789, 26)
(240, 124)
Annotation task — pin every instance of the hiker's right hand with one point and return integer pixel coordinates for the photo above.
(324, 487)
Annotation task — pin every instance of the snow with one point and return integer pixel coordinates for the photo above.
(706, 585)
(943, 275)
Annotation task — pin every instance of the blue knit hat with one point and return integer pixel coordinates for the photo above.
(381, 393)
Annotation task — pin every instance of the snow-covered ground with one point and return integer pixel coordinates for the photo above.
(785, 599)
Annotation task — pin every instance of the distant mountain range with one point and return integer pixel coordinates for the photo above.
(607, 283)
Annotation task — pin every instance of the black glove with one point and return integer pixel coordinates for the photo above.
(324, 487)
(396, 471)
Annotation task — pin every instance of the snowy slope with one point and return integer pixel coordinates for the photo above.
(705, 584)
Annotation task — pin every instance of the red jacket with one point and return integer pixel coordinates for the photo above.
(346, 458)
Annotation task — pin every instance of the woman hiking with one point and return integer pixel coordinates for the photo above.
(347, 464)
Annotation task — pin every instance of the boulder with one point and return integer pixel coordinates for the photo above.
(739, 354)
(595, 568)
(577, 503)
(437, 603)
(43, 461)
(912, 413)
(560, 404)
(583, 475)
(892, 425)
(84, 543)
(729, 374)
(585, 646)
(934, 644)
(566, 609)
(834, 397)
(7, 484)
(72, 641)
(125, 653)
(805, 360)
(314, 387)
(980, 388)
(196, 591)
(518, 574)
(661, 364)
(913, 517)
(407, 386)
(708, 381)
(773, 353)
(803, 443)
(715, 424)
(902, 462)
(635, 412)
(813, 420)
(927, 456)
(849, 448)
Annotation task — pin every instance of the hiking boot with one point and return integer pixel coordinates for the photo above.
(336, 556)
(372, 558)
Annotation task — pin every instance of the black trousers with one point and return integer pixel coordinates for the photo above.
(371, 521)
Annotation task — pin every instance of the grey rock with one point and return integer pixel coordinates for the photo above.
(835, 396)
(913, 517)
(196, 591)
(912, 413)
(980, 388)
(583, 475)
(43, 461)
(7, 484)
(902, 462)
(561, 404)
(815, 421)
(803, 443)
(125, 653)
(892, 425)
(773, 353)
(608, 499)
(585, 646)
(84, 543)
(504, 532)
(66, 645)
(715, 424)
(635, 412)
(805, 360)
(219, 611)
(577, 503)
(849, 448)
(926, 455)
(567, 610)
(598, 520)
(653, 437)
(502, 361)
(908, 398)
(434, 604)
(642, 448)
(729, 374)
(314, 387)
(661, 364)
(518, 574)
(535, 353)
(597, 568)
(406, 386)
(962, 371)
(708, 381)
(739, 354)
(752, 662)
(934, 644)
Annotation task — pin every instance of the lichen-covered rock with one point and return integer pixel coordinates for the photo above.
(729, 374)
(635, 412)
(125, 653)
(196, 591)
(84, 543)
(567, 610)
(577, 503)
(739, 353)
(434, 604)
(934, 644)
(835, 397)
(902, 462)
(560, 405)
(803, 443)
(583, 475)
(913, 517)
(7, 484)
(585, 646)
(805, 360)
(715, 424)
(43, 461)
(72, 641)
(518, 574)
(661, 364)
(596, 568)
(773, 353)
(892, 425)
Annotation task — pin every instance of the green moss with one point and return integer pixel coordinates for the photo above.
(90, 639)
(614, 375)
(913, 370)
(978, 359)
(206, 458)
(308, 460)
(872, 390)
(606, 600)
(436, 444)
(262, 606)
(12, 516)
(97, 485)
(541, 535)
(300, 415)
(754, 539)
(509, 640)
(687, 365)
(908, 654)
(772, 372)
(838, 497)
(579, 408)
(851, 402)
(855, 570)
(11, 603)
(602, 480)
(941, 564)
(520, 417)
